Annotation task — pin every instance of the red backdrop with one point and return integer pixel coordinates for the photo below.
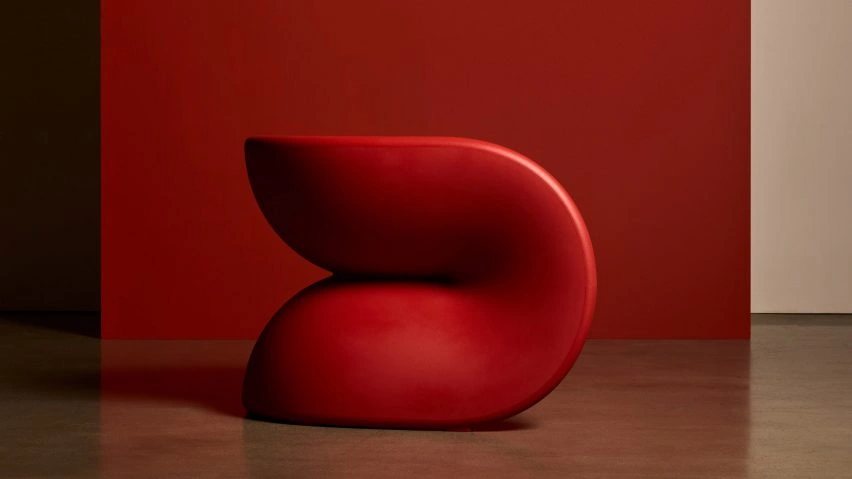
(640, 109)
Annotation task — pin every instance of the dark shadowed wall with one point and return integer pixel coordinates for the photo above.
(639, 108)
(49, 155)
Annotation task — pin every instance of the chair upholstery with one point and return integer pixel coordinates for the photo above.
(462, 287)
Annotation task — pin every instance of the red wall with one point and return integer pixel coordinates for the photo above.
(640, 109)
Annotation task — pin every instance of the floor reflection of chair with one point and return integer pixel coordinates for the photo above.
(172, 408)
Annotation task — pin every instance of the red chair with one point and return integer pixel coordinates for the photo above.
(462, 291)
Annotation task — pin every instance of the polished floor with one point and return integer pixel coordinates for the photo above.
(779, 406)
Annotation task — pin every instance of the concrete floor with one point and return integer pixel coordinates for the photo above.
(780, 406)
